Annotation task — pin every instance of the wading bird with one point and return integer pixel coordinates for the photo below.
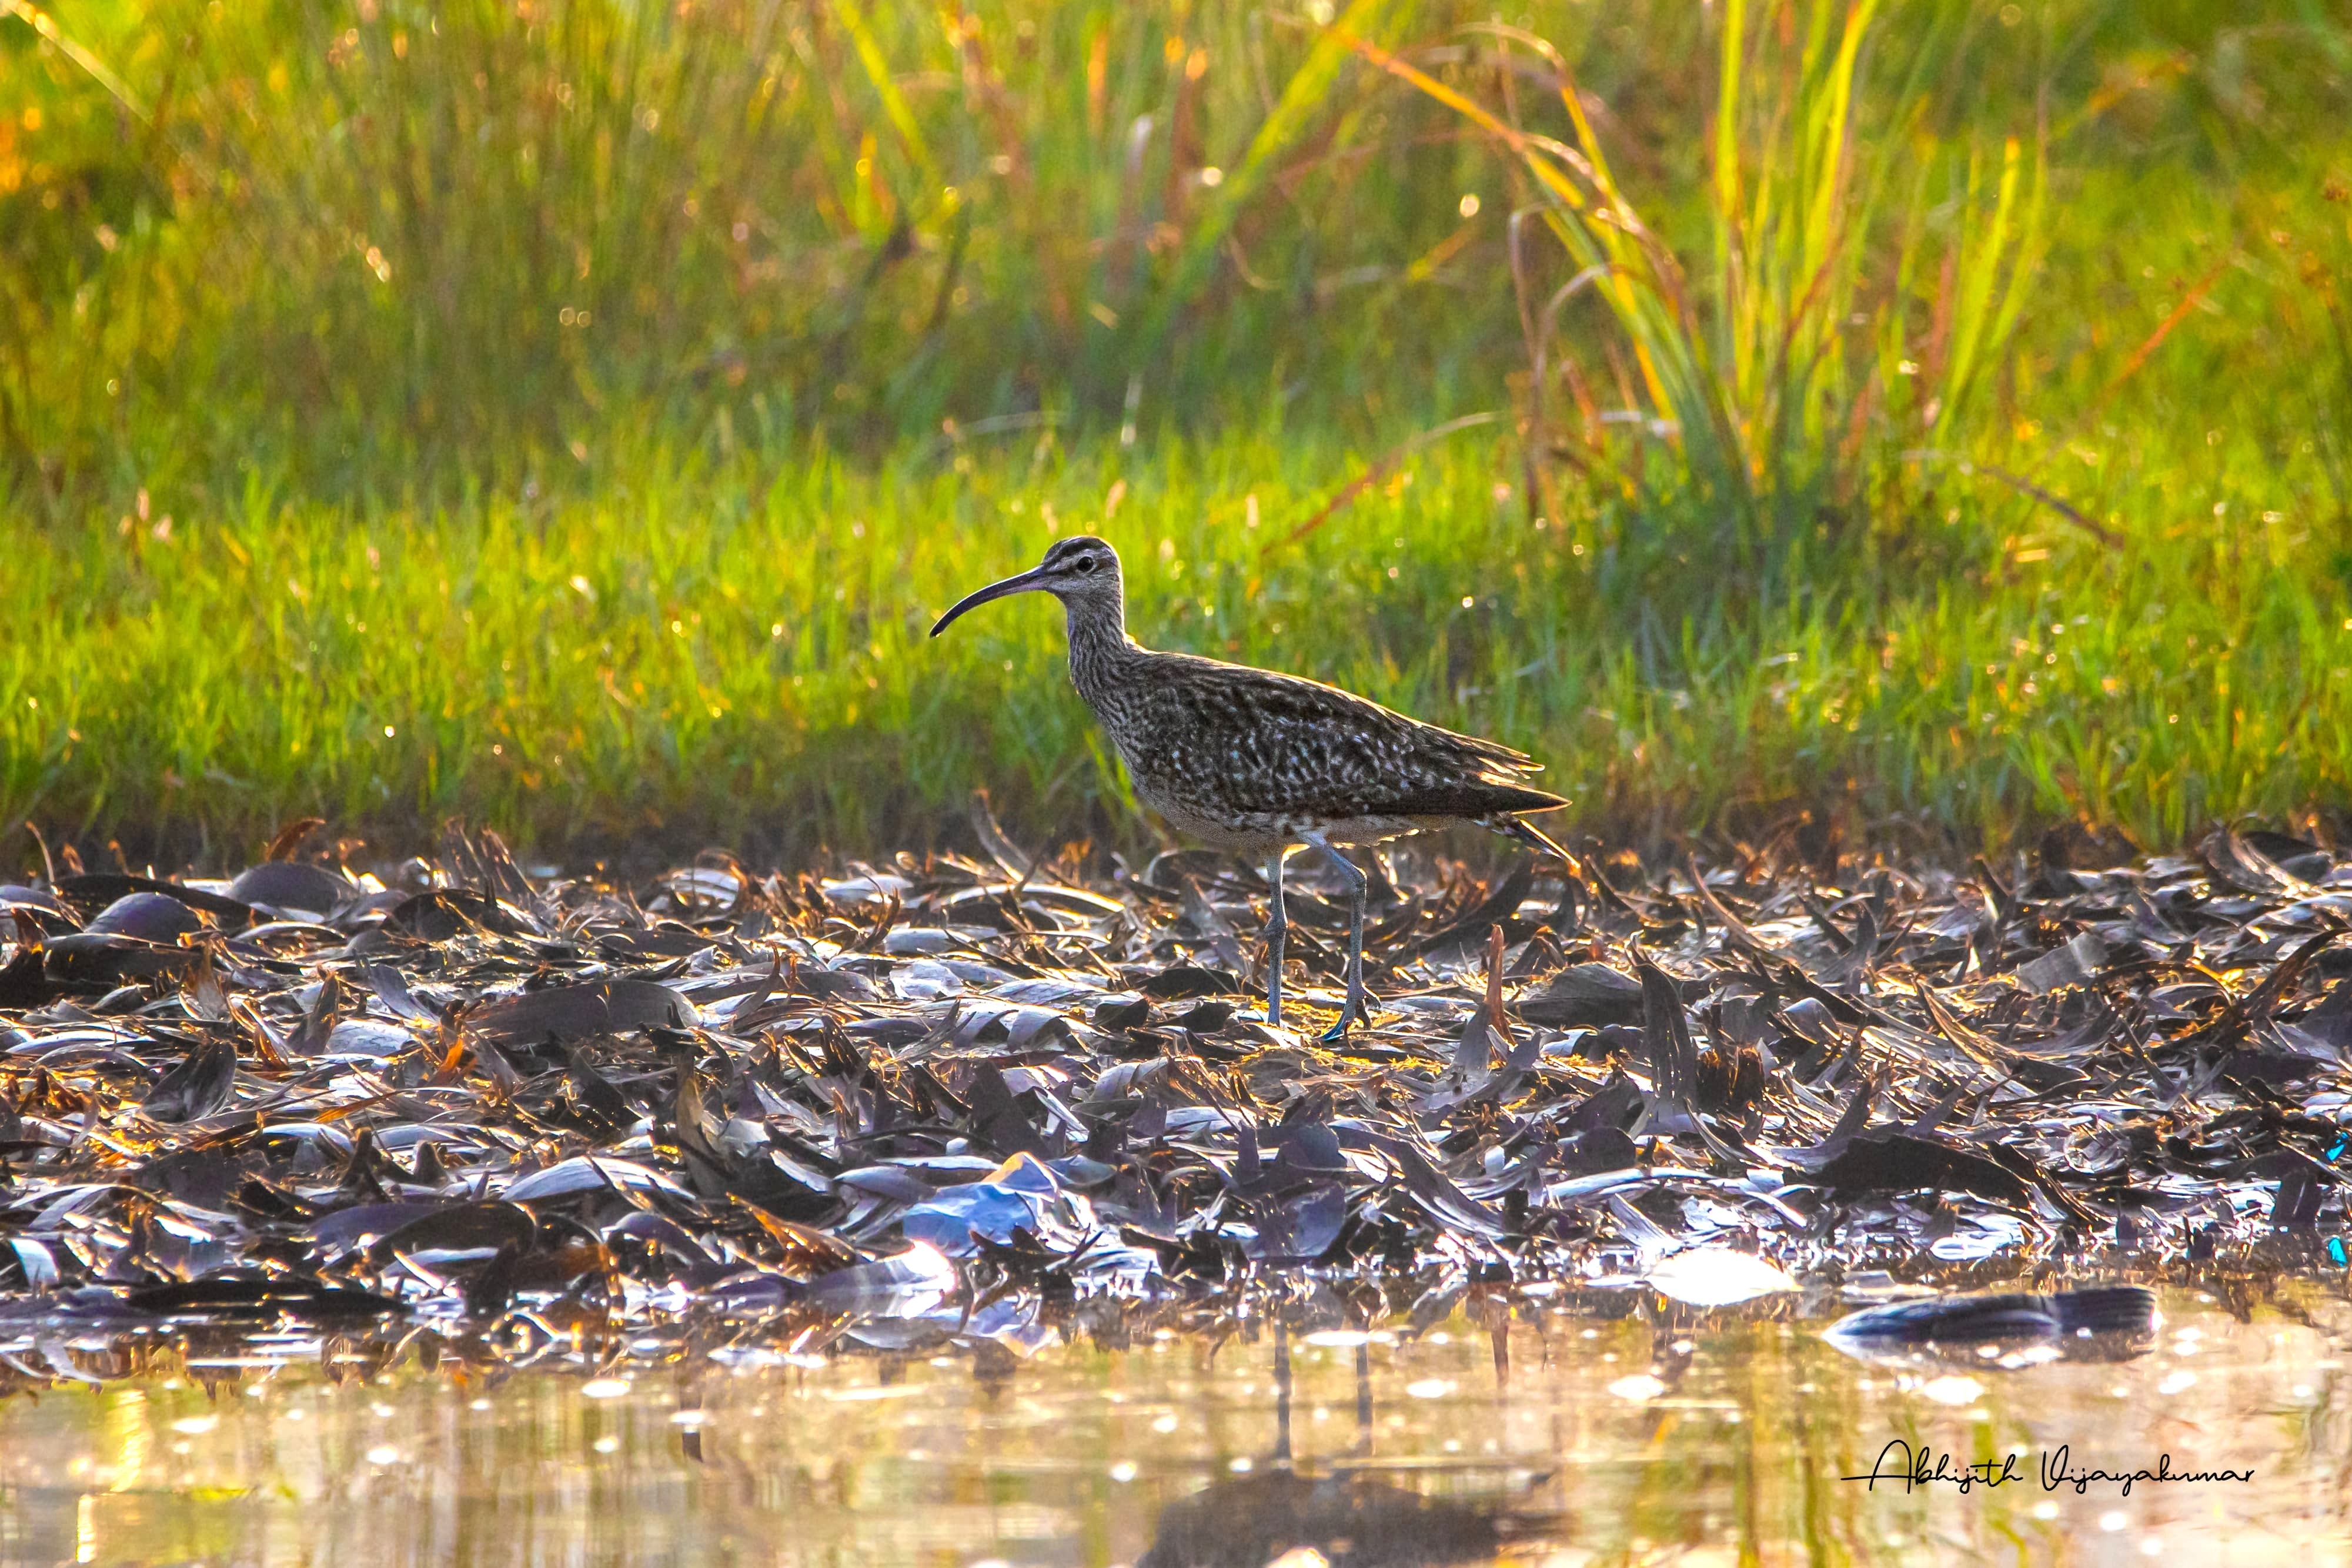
(1261, 763)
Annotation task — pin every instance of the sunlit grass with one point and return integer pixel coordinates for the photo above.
(394, 248)
(608, 436)
(741, 654)
(1847, 234)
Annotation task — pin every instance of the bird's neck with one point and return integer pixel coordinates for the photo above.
(1100, 648)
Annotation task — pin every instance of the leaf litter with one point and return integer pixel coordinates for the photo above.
(950, 1098)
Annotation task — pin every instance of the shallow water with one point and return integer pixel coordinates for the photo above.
(1522, 1432)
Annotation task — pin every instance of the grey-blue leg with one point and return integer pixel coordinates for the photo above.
(1277, 925)
(1359, 885)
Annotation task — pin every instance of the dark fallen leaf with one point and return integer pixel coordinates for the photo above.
(348, 1228)
(1897, 1161)
(1180, 981)
(289, 885)
(1445, 1202)
(1128, 1012)
(2074, 963)
(443, 914)
(999, 1121)
(97, 959)
(96, 890)
(235, 1298)
(494, 1285)
(202, 1178)
(1207, 1018)
(568, 1013)
(24, 982)
(1584, 996)
(2238, 864)
(200, 1085)
(458, 1228)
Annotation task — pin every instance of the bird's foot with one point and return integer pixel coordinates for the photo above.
(1358, 1010)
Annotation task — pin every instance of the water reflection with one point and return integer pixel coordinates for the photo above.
(2009, 1329)
(1343, 1517)
(1570, 1429)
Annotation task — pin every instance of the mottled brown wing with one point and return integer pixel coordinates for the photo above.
(1239, 740)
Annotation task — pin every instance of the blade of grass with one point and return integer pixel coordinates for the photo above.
(1303, 97)
(1372, 475)
(886, 88)
(97, 69)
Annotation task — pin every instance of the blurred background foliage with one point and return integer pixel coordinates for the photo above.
(398, 244)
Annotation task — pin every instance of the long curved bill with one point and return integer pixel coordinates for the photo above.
(1024, 583)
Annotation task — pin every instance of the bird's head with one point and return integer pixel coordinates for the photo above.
(1082, 572)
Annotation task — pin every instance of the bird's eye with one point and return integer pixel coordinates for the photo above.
(1084, 563)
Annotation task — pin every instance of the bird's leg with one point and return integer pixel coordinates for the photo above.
(1358, 887)
(1277, 925)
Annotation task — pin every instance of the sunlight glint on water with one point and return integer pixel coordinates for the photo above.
(1606, 1441)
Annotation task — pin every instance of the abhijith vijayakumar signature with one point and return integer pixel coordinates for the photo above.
(1922, 1466)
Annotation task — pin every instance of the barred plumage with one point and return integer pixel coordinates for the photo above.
(1263, 763)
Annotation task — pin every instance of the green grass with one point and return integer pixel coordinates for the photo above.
(390, 248)
(739, 655)
(413, 321)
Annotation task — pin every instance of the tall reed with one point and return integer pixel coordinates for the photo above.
(1858, 283)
